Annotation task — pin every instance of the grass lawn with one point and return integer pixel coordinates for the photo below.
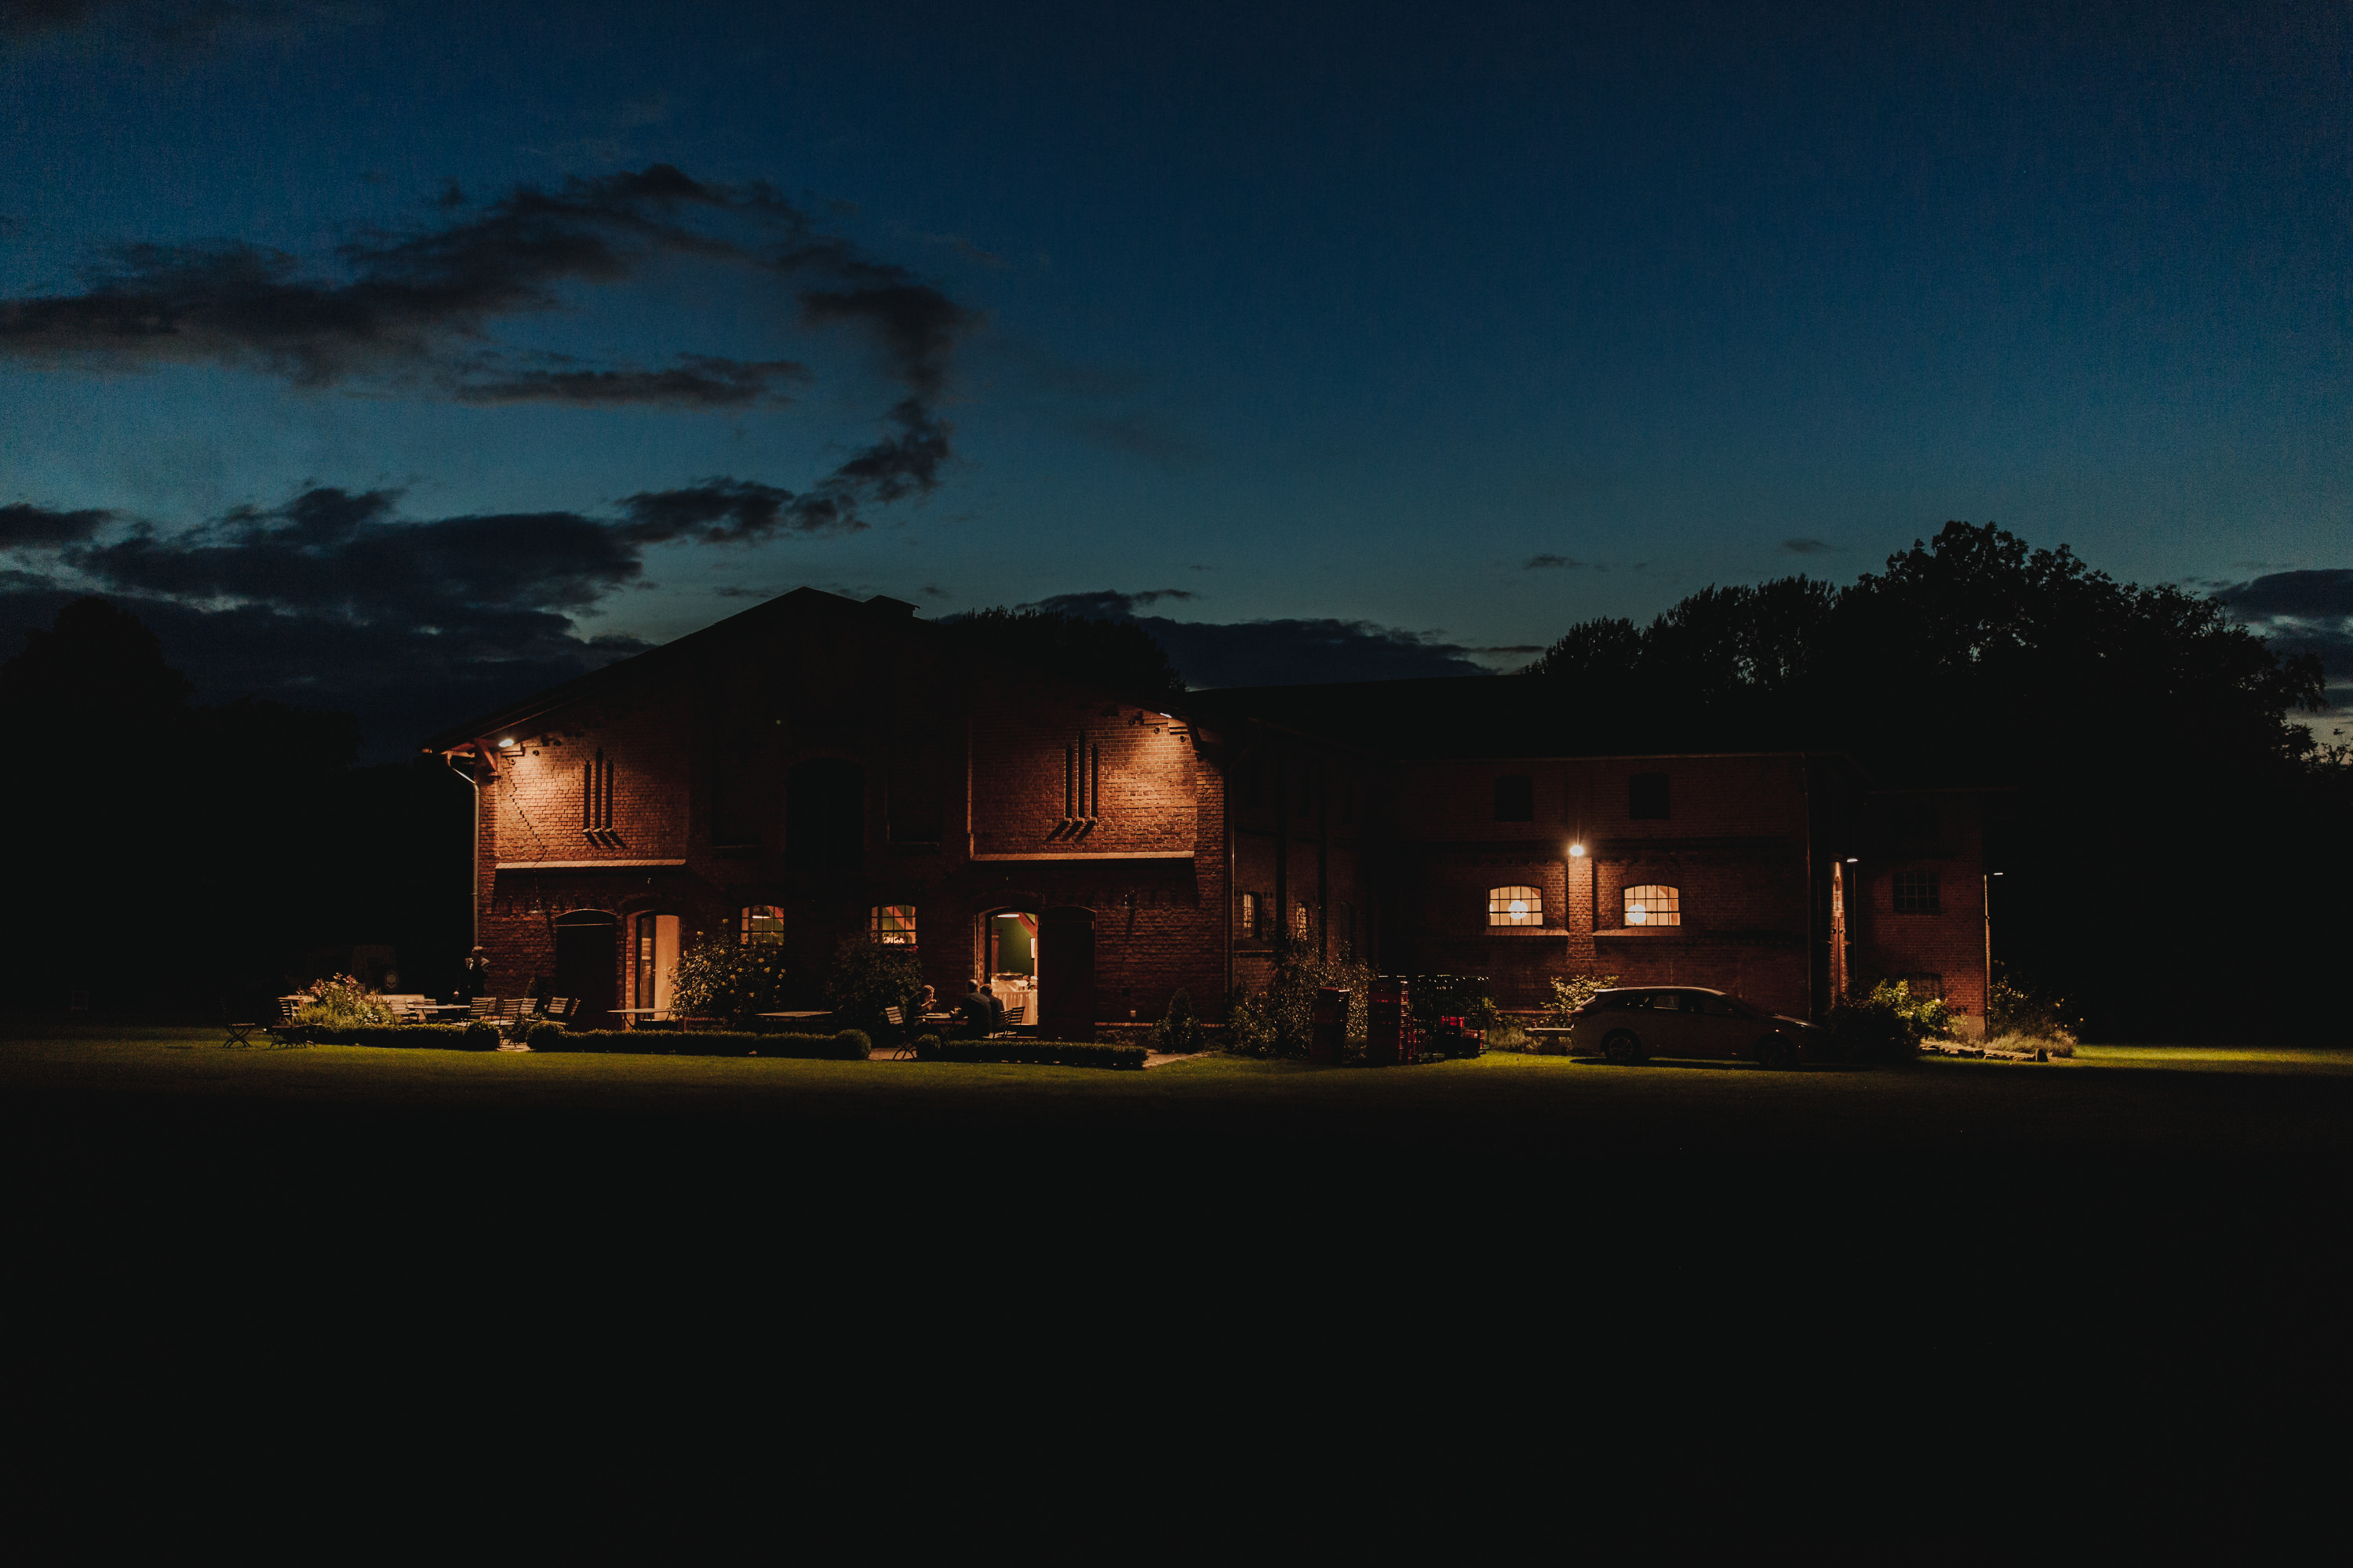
(2013, 1264)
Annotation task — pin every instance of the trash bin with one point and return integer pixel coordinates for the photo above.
(1387, 1021)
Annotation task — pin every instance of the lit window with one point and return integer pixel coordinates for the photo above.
(1916, 893)
(1248, 918)
(763, 922)
(892, 925)
(1651, 905)
(1300, 922)
(1514, 907)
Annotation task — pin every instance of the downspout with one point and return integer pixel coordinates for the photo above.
(473, 851)
(1282, 844)
(1323, 860)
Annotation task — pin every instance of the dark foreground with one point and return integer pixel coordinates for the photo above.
(1956, 1301)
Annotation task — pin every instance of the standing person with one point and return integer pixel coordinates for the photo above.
(476, 981)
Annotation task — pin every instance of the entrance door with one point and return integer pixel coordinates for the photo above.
(587, 965)
(1066, 975)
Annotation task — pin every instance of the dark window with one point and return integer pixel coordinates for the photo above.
(1646, 796)
(735, 792)
(1929, 985)
(913, 797)
(825, 815)
(1620, 1001)
(1515, 798)
(1916, 893)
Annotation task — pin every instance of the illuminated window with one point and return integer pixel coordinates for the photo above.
(1300, 922)
(1514, 907)
(892, 925)
(763, 922)
(1651, 905)
(1249, 915)
(1916, 894)
(1515, 798)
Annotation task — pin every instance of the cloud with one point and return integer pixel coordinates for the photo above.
(415, 309)
(23, 525)
(2301, 613)
(694, 381)
(1806, 547)
(1278, 652)
(1548, 564)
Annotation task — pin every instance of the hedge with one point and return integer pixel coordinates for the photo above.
(1041, 1053)
(476, 1037)
(849, 1046)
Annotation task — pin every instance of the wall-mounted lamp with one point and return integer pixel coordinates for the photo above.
(1853, 858)
(1575, 850)
(507, 745)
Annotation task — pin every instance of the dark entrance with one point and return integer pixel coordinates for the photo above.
(1066, 975)
(587, 965)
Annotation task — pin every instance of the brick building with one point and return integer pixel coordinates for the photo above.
(817, 767)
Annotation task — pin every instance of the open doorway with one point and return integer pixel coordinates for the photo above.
(654, 962)
(1010, 951)
(587, 965)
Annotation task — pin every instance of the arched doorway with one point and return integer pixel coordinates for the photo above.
(587, 965)
(1066, 975)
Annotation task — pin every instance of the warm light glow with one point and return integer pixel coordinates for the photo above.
(1853, 858)
(1519, 906)
(1637, 914)
(507, 745)
(1575, 850)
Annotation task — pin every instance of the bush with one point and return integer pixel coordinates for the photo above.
(340, 1002)
(1038, 1053)
(1575, 992)
(1179, 1034)
(2014, 1006)
(737, 981)
(412, 1037)
(1885, 1024)
(849, 1046)
(1276, 1022)
(867, 977)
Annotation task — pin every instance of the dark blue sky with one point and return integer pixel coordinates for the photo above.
(1463, 322)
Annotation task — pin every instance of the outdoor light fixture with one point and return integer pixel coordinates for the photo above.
(507, 745)
(1575, 850)
(1853, 858)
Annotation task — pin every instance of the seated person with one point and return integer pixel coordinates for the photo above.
(982, 1013)
(928, 1005)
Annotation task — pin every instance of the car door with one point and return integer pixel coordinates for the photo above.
(1665, 1024)
(1720, 1026)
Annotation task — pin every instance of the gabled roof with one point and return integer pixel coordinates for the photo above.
(795, 605)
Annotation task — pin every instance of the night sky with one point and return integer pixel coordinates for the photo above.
(407, 358)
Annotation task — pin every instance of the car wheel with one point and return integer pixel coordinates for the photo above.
(1775, 1051)
(1621, 1046)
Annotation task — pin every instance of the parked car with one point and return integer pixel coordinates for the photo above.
(1637, 1021)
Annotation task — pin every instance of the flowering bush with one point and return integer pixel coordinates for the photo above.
(1569, 994)
(1276, 1022)
(340, 1002)
(721, 979)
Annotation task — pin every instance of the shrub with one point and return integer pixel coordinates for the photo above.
(1040, 1053)
(1885, 1024)
(867, 977)
(1179, 1033)
(411, 1037)
(2015, 1007)
(1574, 992)
(1276, 1022)
(340, 1002)
(849, 1045)
(927, 1049)
(737, 981)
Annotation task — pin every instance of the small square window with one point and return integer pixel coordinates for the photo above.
(763, 922)
(1515, 798)
(1653, 905)
(892, 925)
(1916, 893)
(1646, 796)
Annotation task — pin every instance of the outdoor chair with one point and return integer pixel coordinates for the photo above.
(240, 1032)
(287, 1006)
(903, 1041)
(481, 1007)
(1013, 1011)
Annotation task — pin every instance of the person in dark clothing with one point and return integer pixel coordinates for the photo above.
(476, 981)
(982, 1013)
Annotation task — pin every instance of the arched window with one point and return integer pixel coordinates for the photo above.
(1514, 907)
(1652, 905)
(892, 925)
(763, 922)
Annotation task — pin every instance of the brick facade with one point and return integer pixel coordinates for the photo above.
(825, 757)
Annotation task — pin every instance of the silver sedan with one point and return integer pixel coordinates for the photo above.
(1637, 1021)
